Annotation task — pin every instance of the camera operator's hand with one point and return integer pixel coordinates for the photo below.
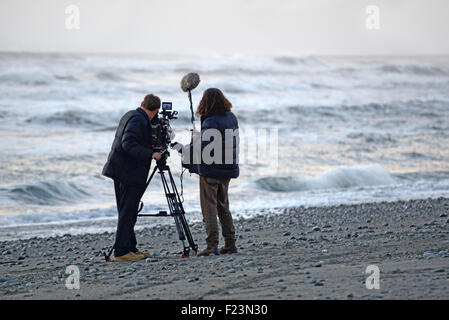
(156, 156)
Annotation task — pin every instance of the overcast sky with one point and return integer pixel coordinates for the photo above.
(227, 26)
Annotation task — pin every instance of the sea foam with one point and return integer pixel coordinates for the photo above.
(341, 177)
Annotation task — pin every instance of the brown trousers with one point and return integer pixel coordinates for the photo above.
(215, 202)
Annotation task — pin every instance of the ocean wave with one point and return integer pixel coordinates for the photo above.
(105, 129)
(71, 118)
(47, 217)
(372, 137)
(66, 78)
(108, 76)
(52, 192)
(30, 78)
(44, 217)
(5, 114)
(430, 176)
(303, 61)
(419, 70)
(414, 155)
(257, 85)
(341, 177)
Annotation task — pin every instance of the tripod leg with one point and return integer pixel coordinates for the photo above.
(182, 214)
(177, 211)
(188, 234)
(152, 174)
(148, 182)
(107, 256)
(171, 201)
(173, 206)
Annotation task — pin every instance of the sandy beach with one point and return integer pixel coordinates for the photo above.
(302, 253)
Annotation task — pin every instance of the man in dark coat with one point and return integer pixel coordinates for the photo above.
(128, 165)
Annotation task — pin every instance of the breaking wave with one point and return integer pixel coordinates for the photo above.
(341, 177)
(47, 193)
(420, 70)
(73, 118)
(33, 78)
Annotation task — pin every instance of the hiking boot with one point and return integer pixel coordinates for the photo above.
(228, 249)
(208, 251)
(144, 254)
(131, 256)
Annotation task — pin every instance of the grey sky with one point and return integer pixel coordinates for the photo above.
(231, 26)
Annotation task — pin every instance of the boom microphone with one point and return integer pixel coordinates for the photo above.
(190, 82)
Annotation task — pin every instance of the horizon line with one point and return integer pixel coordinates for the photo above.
(286, 54)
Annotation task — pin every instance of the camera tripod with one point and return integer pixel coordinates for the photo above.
(174, 205)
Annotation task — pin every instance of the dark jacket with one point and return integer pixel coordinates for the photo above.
(223, 169)
(131, 152)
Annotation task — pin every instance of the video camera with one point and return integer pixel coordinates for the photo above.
(165, 132)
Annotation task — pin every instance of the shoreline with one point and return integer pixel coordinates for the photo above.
(107, 225)
(301, 253)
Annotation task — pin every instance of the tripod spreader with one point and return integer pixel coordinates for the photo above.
(160, 214)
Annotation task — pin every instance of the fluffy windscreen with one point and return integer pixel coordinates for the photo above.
(190, 81)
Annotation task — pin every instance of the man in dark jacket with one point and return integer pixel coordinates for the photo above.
(128, 165)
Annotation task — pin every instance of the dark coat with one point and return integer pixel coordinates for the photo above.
(130, 157)
(223, 169)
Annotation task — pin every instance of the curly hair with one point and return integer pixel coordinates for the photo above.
(151, 102)
(213, 102)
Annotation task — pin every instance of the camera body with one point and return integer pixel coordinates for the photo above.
(163, 137)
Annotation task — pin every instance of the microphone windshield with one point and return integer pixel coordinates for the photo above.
(190, 81)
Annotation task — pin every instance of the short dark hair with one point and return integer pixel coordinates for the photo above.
(213, 102)
(151, 102)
